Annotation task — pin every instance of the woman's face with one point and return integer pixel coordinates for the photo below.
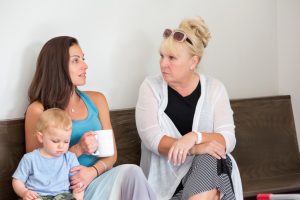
(77, 66)
(177, 66)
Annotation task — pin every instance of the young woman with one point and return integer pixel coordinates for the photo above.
(60, 70)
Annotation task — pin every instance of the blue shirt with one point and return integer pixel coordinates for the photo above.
(46, 176)
(79, 127)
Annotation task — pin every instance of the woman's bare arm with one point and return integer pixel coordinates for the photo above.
(33, 112)
(104, 116)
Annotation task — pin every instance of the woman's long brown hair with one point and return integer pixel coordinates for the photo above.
(51, 84)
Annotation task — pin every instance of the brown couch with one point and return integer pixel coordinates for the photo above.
(266, 152)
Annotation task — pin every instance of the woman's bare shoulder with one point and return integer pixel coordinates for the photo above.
(99, 99)
(35, 108)
(95, 96)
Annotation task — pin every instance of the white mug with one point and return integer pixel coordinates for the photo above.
(105, 143)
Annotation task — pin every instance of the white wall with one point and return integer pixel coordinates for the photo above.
(121, 40)
(288, 29)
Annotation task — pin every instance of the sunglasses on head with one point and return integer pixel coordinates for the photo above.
(178, 35)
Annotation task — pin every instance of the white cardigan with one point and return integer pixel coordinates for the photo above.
(213, 114)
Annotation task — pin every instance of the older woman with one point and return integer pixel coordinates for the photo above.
(186, 123)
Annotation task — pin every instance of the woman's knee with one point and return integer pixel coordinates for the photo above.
(207, 195)
(134, 172)
(133, 169)
(203, 159)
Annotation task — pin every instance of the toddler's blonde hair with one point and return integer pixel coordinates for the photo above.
(54, 118)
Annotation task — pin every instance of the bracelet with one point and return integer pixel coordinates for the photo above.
(96, 170)
(199, 137)
(104, 165)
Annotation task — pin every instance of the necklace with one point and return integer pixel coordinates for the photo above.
(75, 103)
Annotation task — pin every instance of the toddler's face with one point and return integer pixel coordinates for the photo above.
(55, 141)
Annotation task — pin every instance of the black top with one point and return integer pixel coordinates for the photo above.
(181, 109)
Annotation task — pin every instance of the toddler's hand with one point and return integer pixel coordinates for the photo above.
(29, 195)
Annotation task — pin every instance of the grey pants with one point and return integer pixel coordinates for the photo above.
(136, 187)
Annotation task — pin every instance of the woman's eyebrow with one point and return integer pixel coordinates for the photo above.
(75, 56)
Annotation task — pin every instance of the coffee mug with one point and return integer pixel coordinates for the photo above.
(105, 143)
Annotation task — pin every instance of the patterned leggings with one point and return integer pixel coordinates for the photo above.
(207, 173)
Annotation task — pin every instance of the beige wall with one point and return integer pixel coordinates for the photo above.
(121, 38)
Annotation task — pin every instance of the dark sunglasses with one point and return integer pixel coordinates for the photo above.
(178, 35)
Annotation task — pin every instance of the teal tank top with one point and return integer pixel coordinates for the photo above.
(79, 127)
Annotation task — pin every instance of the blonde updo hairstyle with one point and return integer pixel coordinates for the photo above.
(197, 31)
